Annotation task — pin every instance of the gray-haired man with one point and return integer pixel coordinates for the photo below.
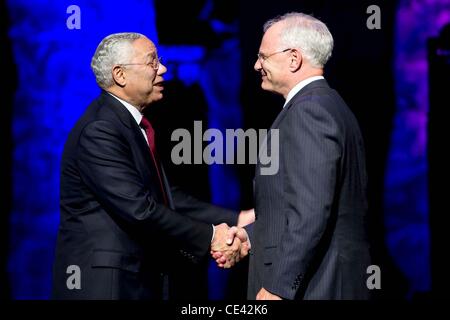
(121, 224)
(309, 239)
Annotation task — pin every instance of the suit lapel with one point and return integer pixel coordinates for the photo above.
(148, 167)
(127, 119)
(303, 92)
(108, 101)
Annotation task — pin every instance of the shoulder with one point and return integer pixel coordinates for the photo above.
(314, 111)
(318, 99)
(99, 121)
(104, 110)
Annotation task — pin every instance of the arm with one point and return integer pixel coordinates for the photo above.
(106, 167)
(224, 246)
(311, 154)
(246, 218)
(236, 246)
(202, 211)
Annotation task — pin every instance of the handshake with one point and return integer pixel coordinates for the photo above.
(230, 245)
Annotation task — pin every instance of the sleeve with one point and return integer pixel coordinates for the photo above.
(202, 211)
(106, 167)
(310, 157)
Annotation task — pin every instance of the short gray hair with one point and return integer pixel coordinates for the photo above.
(308, 34)
(114, 49)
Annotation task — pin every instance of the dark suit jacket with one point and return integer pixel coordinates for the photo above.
(113, 225)
(309, 239)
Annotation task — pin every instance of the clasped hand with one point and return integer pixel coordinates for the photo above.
(229, 245)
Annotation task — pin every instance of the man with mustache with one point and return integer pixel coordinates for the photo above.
(121, 224)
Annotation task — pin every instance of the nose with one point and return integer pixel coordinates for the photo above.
(257, 65)
(162, 69)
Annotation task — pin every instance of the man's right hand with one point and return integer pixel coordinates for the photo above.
(237, 239)
(221, 241)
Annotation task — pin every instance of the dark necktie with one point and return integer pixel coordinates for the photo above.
(147, 126)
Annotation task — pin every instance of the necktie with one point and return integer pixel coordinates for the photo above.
(147, 126)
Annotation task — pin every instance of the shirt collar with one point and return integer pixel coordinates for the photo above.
(132, 109)
(299, 86)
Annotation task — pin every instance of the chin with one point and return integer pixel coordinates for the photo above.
(156, 97)
(265, 86)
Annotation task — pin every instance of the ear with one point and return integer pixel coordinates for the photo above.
(296, 60)
(118, 75)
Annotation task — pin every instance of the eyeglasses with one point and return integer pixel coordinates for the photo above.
(155, 63)
(262, 57)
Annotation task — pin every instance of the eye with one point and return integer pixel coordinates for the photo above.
(261, 56)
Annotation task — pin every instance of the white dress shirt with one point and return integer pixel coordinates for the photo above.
(299, 86)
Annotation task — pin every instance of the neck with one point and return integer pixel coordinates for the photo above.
(305, 74)
(122, 95)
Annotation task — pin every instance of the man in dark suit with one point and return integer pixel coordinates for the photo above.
(309, 239)
(121, 225)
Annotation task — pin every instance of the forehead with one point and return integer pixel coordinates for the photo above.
(144, 47)
(272, 36)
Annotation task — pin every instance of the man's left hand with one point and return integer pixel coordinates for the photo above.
(263, 294)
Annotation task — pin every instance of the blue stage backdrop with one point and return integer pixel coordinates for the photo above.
(406, 190)
(221, 82)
